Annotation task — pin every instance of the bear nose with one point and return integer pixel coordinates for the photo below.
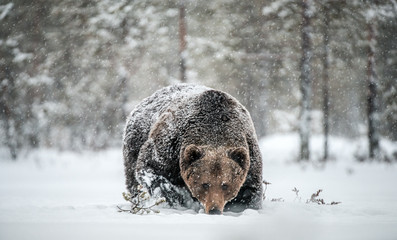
(215, 212)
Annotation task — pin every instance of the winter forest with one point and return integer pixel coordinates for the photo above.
(71, 73)
(319, 78)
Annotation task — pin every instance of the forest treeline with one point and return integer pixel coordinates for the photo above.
(71, 71)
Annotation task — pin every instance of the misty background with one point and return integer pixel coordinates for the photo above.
(72, 71)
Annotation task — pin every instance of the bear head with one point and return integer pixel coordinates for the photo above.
(214, 175)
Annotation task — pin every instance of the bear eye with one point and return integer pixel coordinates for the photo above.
(224, 186)
(206, 186)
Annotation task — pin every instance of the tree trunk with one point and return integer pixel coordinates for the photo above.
(325, 81)
(372, 106)
(182, 42)
(305, 81)
(12, 146)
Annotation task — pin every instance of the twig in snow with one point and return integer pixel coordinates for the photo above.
(264, 191)
(138, 202)
(277, 200)
(296, 191)
(314, 199)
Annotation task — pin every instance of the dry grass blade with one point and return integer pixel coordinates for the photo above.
(264, 191)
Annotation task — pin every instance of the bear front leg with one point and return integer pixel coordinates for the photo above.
(149, 167)
(159, 187)
(249, 196)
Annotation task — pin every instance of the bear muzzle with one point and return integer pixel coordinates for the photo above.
(214, 207)
(213, 211)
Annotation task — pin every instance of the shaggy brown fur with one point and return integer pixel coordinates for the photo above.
(189, 141)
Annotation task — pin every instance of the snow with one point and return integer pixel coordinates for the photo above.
(274, 7)
(21, 56)
(41, 79)
(48, 194)
(5, 9)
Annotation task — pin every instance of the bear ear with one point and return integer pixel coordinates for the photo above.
(240, 156)
(192, 153)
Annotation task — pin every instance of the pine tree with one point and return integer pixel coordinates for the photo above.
(386, 65)
(325, 77)
(182, 41)
(305, 79)
(372, 98)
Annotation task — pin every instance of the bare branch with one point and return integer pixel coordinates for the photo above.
(138, 202)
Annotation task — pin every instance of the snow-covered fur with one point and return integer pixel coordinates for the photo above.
(160, 128)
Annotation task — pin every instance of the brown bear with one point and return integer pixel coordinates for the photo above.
(187, 143)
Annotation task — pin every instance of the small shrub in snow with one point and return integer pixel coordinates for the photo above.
(264, 193)
(296, 191)
(264, 190)
(314, 199)
(139, 202)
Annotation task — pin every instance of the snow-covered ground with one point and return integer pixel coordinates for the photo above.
(48, 194)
